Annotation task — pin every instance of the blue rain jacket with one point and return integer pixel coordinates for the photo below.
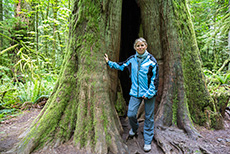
(144, 78)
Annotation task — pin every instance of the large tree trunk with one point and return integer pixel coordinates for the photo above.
(184, 87)
(81, 108)
(81, 105)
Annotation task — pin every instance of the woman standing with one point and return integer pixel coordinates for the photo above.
(143, 69)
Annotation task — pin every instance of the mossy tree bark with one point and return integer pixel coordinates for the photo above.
(81, 108)
(81, 105)
(184, 95)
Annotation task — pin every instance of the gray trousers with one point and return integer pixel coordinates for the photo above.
(134, 104)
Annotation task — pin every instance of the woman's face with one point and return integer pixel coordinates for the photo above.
(140, 47)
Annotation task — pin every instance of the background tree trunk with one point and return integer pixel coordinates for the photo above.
(18, 8)
(229, 49)
(1, 19)
(229, 41)
(36, 26)
(54, 48)
(81, 108)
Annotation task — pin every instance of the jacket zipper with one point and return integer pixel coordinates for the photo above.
(139, 66)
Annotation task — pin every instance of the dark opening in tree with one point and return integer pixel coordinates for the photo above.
(130, 26)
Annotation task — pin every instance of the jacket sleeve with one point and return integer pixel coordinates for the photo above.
(152, 91)
(118, 66)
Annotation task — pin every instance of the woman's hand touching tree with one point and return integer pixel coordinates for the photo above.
(106, 58)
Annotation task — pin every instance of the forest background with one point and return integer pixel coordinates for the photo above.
(33, 39)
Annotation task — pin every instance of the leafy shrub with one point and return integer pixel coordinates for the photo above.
(218, 84)
(32, 90)
(215, 80)
(13, 95)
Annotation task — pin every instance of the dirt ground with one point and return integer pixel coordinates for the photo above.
(11, 129)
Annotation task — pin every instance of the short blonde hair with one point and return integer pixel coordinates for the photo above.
(141, 39)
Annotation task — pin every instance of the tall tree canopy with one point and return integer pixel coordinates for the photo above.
(81, 107)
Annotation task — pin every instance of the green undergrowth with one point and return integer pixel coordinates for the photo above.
(15, 91)
(218, 85)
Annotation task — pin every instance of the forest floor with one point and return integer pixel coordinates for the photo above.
(11, 130)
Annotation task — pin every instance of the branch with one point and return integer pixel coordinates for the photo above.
(224, 64)
(9, 38)
(22, 44)
(8, 49)
(32, 51)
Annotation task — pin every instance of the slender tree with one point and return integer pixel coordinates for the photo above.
(36, 25)
(229, 39)
(18, 8)
(55, 10)
(229, 48)
(81, 107)
(1, 19)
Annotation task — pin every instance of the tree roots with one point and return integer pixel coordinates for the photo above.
(173, 140)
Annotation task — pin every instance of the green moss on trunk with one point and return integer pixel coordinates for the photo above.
(80, 105)
(197, 93)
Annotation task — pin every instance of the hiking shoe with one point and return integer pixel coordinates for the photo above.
(147, 147)
(131, 133)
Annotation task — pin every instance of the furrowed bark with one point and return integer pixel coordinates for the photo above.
(82, 104)
(173, 109)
